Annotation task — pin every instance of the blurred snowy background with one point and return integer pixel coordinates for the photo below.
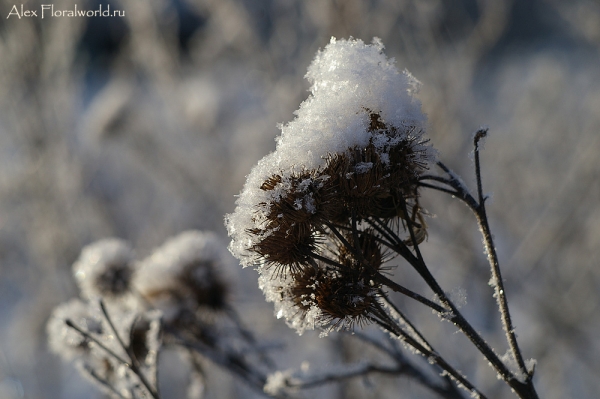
(144, 126)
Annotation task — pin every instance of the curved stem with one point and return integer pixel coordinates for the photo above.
(380, 278)
(455, 316)
(383, 320)
(500, 293)
(524, 389)
(134, 364)
(405, 320)
(438, 188)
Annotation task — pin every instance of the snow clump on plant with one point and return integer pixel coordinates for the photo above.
(354, 151)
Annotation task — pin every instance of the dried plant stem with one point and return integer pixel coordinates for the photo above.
(248, 337)
(102, 381)
(134, 365)
(448, 391)
(454, 314)
(448, 310)
(359, 370)
(500, 292)
(223, 357)
(493, 260)
(385, 321)
(380, 278)
(523, 387)
(400, 315)
(524, 390)
(129, 364)
(89, 336)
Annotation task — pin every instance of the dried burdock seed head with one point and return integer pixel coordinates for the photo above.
(343, 297)
(302, 291)
(206, 286)
(372, 180)
(304, 199)
(346, 300)
(319, 296)
(299, 207)
(287, 249)
(105, 269)
(358, 180)
(184, 275)
(354, 150)
(366, 257)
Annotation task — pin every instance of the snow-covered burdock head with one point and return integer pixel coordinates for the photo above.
(354, 151)
(66, 341)
(184, 275)
(105, 269)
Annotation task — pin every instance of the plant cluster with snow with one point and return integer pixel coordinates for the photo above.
(339, 197)
(132, 309)
(354, 153)
(325, 219)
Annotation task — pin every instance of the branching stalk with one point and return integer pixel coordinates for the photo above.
(524, 389)
(133, 364)
(387, 323)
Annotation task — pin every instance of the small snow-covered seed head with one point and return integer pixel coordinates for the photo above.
(144, 337)
(370, 259)
(206, 287)
(105, 269)
(182, 275)
(64, 340)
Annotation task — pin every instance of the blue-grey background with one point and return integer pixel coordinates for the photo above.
(143, 126)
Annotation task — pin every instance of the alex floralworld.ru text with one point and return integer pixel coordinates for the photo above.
(48, 10)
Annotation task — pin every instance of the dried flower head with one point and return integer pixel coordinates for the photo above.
(183, 274)
(322, 297)
(301, 205)
(105, 269)
(354, 151)
(64, 340)
(144, 337)
(372, 181)
(365, 255)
